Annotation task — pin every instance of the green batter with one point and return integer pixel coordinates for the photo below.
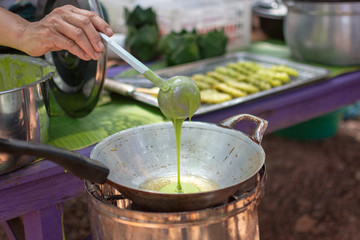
(189, 183)
(177, 126)
(184, 188)
(178, 103)
(181, 100)
(16, 72)
(178, 99)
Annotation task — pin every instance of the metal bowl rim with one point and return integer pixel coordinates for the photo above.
(254, 192)
(33, 60)
(105, 141)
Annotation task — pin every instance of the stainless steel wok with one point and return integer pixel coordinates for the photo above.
(215, 152)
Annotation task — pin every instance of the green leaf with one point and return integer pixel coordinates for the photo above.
(180, 48)
(122, 113)
(212, 44)
(140, 17)
(73, 134)
(143, 42)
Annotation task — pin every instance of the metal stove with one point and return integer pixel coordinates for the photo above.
(112, 216)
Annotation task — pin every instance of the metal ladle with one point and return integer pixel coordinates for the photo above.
(179, 96)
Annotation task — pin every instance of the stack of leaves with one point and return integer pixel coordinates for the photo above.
(186, 46)
(142, 33)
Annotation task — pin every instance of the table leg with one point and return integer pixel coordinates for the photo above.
(14, 229)
(45, 224)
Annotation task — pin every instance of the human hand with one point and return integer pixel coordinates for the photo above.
(66, 28)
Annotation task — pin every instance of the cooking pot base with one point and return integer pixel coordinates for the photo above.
(112, 216)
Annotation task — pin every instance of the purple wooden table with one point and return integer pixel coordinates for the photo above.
(37, 192)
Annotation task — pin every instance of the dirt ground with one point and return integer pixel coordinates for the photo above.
(313, 190)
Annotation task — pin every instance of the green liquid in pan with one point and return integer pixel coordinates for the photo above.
(178, 99)
(189, 184)
(180, 187)
(174, 188)
(177, 126)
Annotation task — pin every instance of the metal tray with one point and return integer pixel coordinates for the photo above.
(307, 75)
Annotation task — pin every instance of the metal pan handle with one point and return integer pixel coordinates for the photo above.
(79, 165)
(261, 125)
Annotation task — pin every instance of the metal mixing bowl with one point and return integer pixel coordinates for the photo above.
(324, 32)
(23, 104)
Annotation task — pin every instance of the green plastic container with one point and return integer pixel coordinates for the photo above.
(314, 129)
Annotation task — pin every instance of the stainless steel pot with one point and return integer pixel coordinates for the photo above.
(271, 15)
(24, 107)
(24, 112)
(324, 32)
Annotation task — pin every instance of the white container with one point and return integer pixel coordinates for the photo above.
(234, 16)
(116, 12)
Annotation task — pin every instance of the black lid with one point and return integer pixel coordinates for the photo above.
(77, 84)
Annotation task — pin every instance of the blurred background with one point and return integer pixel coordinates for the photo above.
(313, 189)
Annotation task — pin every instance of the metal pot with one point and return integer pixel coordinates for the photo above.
(24, 108)
(271, 15)
(324, 32)
(24, 112)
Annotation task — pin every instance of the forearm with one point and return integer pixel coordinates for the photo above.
(11, 28)
(65, 28)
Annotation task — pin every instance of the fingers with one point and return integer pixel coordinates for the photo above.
(84, 37)
(98, 22)
(63, 42)
(84, 31)
(81, 28)
(38, 38)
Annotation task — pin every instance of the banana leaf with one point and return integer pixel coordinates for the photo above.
(140, 17)
(143, 42)
(179, 48)
(212, 44)
(122, 113)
